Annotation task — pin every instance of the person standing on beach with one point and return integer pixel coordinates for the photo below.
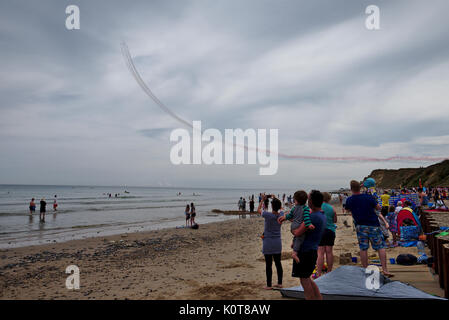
(244, 204)
(272, 243)
(32, 206)
(423, 200)
(251, 205)
(43, 208)
(343, 202)
(240, 204)
(192, 214)
(55, 203)
(308, 253)
(385, 203)
(326, 245)
(363, 209)
(187, 214)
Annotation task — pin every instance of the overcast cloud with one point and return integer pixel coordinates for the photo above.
(71, 113)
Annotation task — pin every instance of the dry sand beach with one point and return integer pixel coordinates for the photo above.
(221, 260)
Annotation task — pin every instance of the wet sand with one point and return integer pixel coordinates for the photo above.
(221, 260)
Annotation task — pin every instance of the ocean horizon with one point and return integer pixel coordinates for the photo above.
(88, 211)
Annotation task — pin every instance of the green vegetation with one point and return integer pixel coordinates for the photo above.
(436, 175)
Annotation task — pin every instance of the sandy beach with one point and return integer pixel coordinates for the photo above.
(220, 260)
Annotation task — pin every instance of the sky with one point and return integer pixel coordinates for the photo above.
(72, 114)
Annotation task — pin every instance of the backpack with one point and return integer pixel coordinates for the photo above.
(406, 259)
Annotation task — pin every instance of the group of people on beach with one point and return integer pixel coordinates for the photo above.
(190, 214)
(313, 225)
(313, 228)
(242, 204)
(43, 207)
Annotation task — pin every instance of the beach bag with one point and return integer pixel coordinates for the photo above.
(406, 259)
(409, 233)
(195, 226)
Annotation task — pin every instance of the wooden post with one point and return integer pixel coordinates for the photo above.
(431, 242)
(442, 267)
(425, 221)
(446, 270)
(435, 252)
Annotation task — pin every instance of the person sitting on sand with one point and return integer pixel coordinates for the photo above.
(32, 206)
(298, 215)
(398, 207)
(362, 207)
(187, 214)
(192, 214)
(272, 243)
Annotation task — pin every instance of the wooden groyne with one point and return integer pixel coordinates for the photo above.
(431, 221)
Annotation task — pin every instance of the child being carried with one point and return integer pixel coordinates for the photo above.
(299, 215)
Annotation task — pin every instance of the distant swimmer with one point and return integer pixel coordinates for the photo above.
(55, 203)
(43, 209)
(32, 206)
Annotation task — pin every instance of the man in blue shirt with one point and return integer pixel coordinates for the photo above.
(308, 251)
(363, 209)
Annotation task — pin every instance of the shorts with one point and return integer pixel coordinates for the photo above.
(328, 238)
(367, 234)
(306, 265)
(32, 208)
(193, 215)
(187, 216)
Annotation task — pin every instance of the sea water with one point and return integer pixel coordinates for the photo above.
(85, 211)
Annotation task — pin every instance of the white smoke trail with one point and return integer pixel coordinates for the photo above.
(132, 68)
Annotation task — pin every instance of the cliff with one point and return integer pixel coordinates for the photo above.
(432, 176)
